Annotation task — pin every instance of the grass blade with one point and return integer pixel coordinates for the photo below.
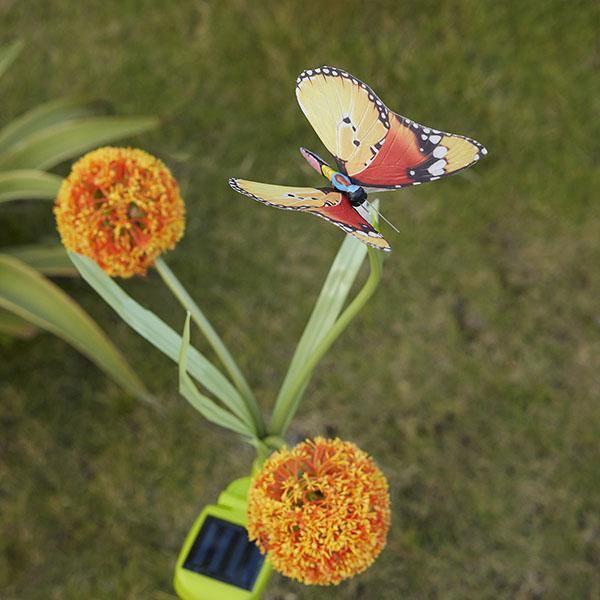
(8, 54)
(160, 335)
(31, 296)
(28, 184)
(52, 145)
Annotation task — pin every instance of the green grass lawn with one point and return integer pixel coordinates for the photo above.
(473, 375)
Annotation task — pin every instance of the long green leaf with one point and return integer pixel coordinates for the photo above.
(13, 326)
(325, 324)
(31, 296)
(213, 339)
(160, 335)
(203, 404)
(43, 116)
(8, 54)
(49, 259)
(28, 184)
(287, 405)
(332, 297)
(52, 145)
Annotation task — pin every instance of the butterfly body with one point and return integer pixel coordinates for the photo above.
(374, 148)
(356, 194)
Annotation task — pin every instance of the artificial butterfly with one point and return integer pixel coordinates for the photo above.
(375, 149)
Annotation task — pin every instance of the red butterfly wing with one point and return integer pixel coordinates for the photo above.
(345, 216)
(412, 154)
(374, 146)
(326, 203)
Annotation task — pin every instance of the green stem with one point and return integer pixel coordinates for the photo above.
(286, 406)
(214, 340)
(264, 448)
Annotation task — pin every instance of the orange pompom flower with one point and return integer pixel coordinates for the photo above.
(122, 208)
(321, 510)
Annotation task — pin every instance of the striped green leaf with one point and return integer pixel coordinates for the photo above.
(213, 338)
(334, 293)
(160, 335)
(52, 145)
(15, 327)
(28, 184)
(326, 323)
(42, 117)
(203, 404)
(29, 295)
(49, 259)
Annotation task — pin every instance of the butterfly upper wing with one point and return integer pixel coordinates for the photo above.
(412, 154)
(377, 148)
(350, 119)
(326, 203)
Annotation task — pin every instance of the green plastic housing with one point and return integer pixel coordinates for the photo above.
(231, 506)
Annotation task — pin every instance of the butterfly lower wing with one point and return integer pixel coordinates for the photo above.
(345, 113)
(346, 217)
(412, 154)
(289, 198)
(326, 203)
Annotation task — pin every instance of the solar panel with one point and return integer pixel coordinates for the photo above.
(223, 551)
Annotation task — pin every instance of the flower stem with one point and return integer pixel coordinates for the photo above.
(286, 407)
(264, 448)
(214, 340)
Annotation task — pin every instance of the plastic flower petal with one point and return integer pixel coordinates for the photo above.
(122, 208)
(321, 510)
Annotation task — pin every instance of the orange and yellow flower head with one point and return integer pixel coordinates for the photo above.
(122, 208)
(321, 510)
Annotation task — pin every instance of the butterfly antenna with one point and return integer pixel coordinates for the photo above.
(378, 213)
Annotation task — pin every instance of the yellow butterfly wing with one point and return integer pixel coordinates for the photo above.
(327, 203)
(286, 197)
(346, 114)
(377, 148)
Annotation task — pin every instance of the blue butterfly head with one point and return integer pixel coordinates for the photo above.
(340, 182)
(343, 183)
